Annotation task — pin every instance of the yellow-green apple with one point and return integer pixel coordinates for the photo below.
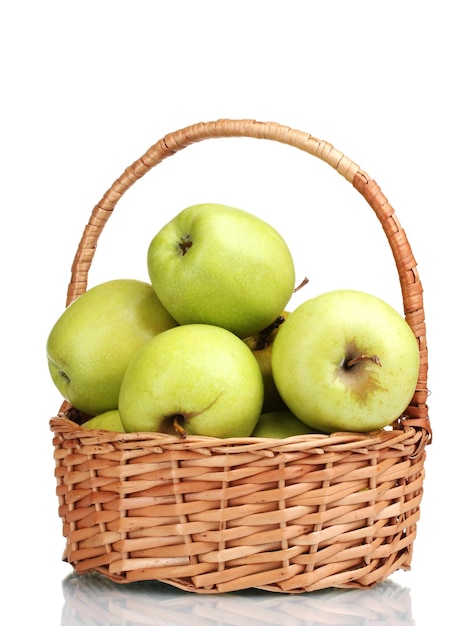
(261, 344)
(95, 337)
(219, 265)
(109, 420)
(279, 425)
(346, 360)
(195, 379)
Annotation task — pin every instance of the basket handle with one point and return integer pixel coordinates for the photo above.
(417, 413)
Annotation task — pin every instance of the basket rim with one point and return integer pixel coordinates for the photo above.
(416, 414)
(315, 443)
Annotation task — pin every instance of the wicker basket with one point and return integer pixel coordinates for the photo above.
(216, 515)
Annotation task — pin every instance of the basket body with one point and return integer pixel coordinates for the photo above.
(211, 515)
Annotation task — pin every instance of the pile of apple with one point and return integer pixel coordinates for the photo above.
(208, 347)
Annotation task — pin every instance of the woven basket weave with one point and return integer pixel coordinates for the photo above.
(216, 515)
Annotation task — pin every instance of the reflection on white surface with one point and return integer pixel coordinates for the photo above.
(94, 600)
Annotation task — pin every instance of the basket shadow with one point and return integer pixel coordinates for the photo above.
(91, 599)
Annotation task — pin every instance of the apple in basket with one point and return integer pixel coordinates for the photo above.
(95, 337)
(346, 360)
(109, 420)
(279, 425)
(261, 344)
(195, 379)
(220, 265)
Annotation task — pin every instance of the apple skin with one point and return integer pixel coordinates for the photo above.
(92, 342)
(109, 420)
(196, 379)
(261, 344)
(313, 350)
(219, 265)
(279, 425)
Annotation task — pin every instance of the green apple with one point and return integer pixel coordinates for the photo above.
(93, 340)
(261, 344)
(214, 264)
(279, 425)
(195, 379)
(109, 420)
(346, 360)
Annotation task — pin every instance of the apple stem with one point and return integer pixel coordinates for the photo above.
(363, 357)
(304, 281)
(184, 244)
(264, 334)
(178, 426)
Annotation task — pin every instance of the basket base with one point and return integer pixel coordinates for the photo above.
(362, 578)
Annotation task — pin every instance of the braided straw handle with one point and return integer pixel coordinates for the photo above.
(416, 414)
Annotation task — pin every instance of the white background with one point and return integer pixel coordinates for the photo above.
(88, 86)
